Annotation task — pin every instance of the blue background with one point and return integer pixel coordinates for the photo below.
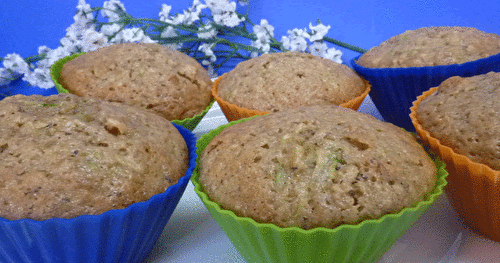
(27, 24)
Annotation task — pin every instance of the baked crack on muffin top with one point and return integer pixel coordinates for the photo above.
(432, 46)
(315, 166)
(150, 76)
(63, 156)
(277, 81)
(464, 114)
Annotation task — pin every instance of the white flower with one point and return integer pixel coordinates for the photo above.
(318, 31)
(40, 77)
(68, 44)
(16, 63)
(210, 68)
(298, 33)
(180, 19)
(91, 40)
(84, 10)
(286, 42)
(82, 37)
(110, 29)
(130, 35)
(169, 32)
(264, 28)
(83, 7)
(318, 49)
(147, 39)
(333, 54)
(224, 12)
(175, 46)
(295, 44)
(229, 19)
(207, 49)
(111, 10)
(243, 2)
(188, 17)
(76, 30)
(211, 71)
(52, 56)
(296, 40)
(264, 32)
(262, 43)
(207, 31)
(215, 5)
(165, 13)
(56, 54)
(43, 50)
(195, 10)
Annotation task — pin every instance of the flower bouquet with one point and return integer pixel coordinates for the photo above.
(214, 32)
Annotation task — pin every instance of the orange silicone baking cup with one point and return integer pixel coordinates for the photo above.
(473, 188)
(234, 112)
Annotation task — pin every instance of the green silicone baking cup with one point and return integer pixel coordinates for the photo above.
(363, 242)
(55, 72)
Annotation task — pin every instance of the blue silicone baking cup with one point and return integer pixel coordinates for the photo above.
(394, 89)
(121, 235)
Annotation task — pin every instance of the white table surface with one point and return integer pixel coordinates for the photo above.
(192, 235)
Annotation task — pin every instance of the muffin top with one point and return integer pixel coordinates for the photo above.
(150, 76)
(64, 156)
(315, 166)
(464, 114)
(432, 46)
(272, 82)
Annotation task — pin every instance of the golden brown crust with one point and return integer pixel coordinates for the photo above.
(272, 82)
(315, 166)
(150, 76)
(464, 115)
(432, 46)
(64, 156)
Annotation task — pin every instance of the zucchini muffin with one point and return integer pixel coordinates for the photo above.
(273, 82)
(406, 65)
(63, 156)
(459, 119)
(315, 166)
(464, 114)
(432, 46)
(150, 76)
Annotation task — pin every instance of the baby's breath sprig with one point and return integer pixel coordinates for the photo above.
(213, 32)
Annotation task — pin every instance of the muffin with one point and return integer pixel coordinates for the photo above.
(150, 76)
(460, 120)
(404, 66)
(302, 181)
(72, 165)
(277, 81)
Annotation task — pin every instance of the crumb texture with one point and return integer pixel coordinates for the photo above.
(432, 46)
(150, 76)
(464, 114)
(315, 166)
(64, 156)
(272, 82)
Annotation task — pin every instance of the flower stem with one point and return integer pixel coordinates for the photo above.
(343, 44)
